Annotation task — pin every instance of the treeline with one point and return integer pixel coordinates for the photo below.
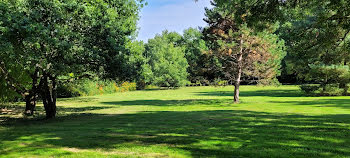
(48, 44)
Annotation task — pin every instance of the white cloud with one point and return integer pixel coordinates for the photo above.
(171, 16)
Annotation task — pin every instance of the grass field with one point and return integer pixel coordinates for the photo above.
(187, 122)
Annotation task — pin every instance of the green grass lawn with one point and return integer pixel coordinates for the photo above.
(187, 122)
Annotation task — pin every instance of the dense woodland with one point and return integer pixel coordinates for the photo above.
(49, 46)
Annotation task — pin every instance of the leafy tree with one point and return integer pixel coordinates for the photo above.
(317, 39)
(111, 26)
(135, 64)
(242, 50)
(133, 61)
(203, 66)
(45, 40)
(38, 41)
(167, 63)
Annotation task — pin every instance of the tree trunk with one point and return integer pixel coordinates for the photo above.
(49, 96)
(30, 104)
(236, 94)
(238, 73)
(237, 84)
(32, 96)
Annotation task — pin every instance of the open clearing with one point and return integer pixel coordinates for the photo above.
(187, 122)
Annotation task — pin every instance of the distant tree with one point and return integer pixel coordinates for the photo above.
(46, 42)
(203, 66)
(134, 64)
(241, 49)
(111, 27)
(167, 65)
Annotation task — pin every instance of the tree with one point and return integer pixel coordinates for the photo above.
(45, 40)
(111, 27)
(135, 63)
(203, 66)
(317, 39)
(37, 41)
(243, 50)
(167, 65)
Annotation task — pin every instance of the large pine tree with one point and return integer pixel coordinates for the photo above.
(246, 46)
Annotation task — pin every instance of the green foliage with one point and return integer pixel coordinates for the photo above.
(257, 14)
(6, 94)
(203, 66)
(43, 40)
(89, 87)
(331, 79)
(71, 36)
(244, 50)
(267, 71)
(323, 90)
(309, 88)
(316, 35)
(110, 31)
(220, 83)
(132, 62)
(167, 63)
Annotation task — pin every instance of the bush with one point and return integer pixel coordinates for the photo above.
(333, 79)
(331, 90)
(93, 87)
(127, 86)
(309, 89)
(220, 83)
(269, 82)
(66, 91)
(319, 90)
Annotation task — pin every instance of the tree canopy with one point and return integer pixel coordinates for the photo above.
(166, 59)
(45, 40)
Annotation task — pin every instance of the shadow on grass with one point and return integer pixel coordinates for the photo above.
(212, 102)
(14, 113)
(77, 99)
(339, 103)
(231, 133)
(267, 93)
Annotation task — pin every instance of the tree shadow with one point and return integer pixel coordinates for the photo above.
(267, 93)
(211, 102)
(77, 99)
(226, 133)
(14, 113)
(338, 103)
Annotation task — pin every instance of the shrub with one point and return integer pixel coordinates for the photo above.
(127, 86)
(309, 89)
(93, 87)
(322, 90)
(331, 90)
(269, 82)
(66, 91)
(332, 78)
(220, 83)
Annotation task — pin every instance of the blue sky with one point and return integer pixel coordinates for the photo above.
(173, 15)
